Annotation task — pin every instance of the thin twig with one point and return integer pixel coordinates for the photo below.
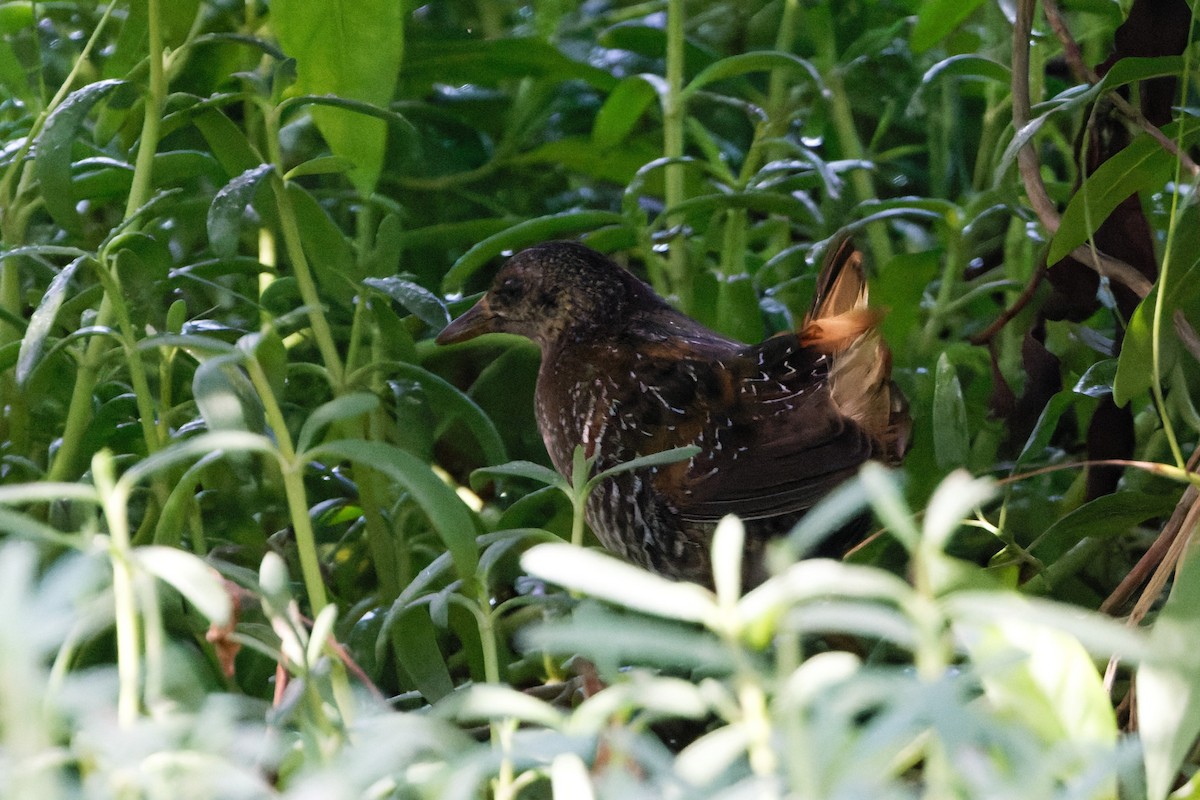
(1082, 72)
(1086, 73)
(1027, 161)
(1187, 334)
(986, 335)
(1161, 551)
(1030, 169)
(1114, 269)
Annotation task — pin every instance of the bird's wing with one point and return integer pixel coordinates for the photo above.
(772, 441)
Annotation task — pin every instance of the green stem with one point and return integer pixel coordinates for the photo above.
(951, 269)
(137, 371)
(21, 165)
(79, 413)
(293, 487)
(775, 126)
(1156, 324)
(501, 730)
(304, 276)
(861, 181)
(129, 667)
(393, 566)
(139, 191)
(674, 112)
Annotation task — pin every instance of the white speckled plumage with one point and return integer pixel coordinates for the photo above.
(778, 423)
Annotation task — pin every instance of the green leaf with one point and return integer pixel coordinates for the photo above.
(1106, 516)
(15, 17)
(1044, 678)
(883, 492)
(955, 497)
(383, 257)
(193, 578)
(744, 63)
(739, 313)
(330, 253)
(46, 492)
(606, 578)
(1168, 684)
(1133, 70)
(231, 441)
(616, 164)
(1141, 166)
(727, 550)
(1135, 365)
(454, 405)
(614, 639)
(322, 165)
(341, 408)
(784, 205)
(24, 526)
(416, 299)
(446, 513)
(227, 141)
(936, 19)
(489, 701)
(651, 40)
(42, 320)
(351, 49)
(414, 643)
(951, 440)
(229, 206)
(1098, 380)
(52, 159)
(569, 777)
(321, 629)
(226, 398)
(172, 519)
(625, 105)
(968, 66)
(1039, 437)
(521, 469)
(816, 581)
(531, 231)
(660, 459)
(487, 62)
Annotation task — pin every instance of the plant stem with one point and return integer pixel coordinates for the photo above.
(300, 266)
(1156, 324)
(156, 95)
(293, 487)
(304, 279)
(113, 501)
(843, 122)
(951, 269)
(79, 413)
(673, 128)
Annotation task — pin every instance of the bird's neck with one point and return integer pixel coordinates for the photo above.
(575, 398)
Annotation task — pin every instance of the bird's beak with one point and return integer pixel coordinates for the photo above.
(477, 320)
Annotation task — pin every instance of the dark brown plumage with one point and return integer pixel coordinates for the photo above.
(779, 423)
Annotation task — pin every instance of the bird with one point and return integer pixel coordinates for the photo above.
(623, 374)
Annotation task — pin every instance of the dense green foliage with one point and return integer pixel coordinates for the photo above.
(259, 537)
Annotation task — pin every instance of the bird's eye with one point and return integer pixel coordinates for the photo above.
(508, 290)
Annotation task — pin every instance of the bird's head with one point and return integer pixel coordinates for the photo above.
(551, 293)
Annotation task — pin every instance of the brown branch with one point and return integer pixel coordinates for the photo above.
(1082, 72)
(1030, 169)
(1086, 73)
(1027, 161)
(1157, 562)
(1035, 280)
(1187, 334)
(1113, 268)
